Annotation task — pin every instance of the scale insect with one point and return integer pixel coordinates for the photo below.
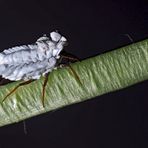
(30, 62)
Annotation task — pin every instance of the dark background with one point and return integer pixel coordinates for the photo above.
(118, 119)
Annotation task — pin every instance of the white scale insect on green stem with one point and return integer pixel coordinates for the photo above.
(30, 62)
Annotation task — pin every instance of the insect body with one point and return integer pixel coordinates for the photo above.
(30, 62)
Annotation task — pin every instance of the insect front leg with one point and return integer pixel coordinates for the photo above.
(75, 74)
(70, 59)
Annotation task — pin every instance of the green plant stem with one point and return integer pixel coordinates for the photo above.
(102, 74)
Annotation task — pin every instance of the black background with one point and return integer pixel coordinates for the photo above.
(118, 119)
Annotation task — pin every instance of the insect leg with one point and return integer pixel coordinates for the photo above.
(43, 91)
(74, 74)
(70, 67)
(13, 90)
(70, 58)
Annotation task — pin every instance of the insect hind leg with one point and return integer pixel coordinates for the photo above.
(13, 90)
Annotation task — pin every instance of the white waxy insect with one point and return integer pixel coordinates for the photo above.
(31, 61)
